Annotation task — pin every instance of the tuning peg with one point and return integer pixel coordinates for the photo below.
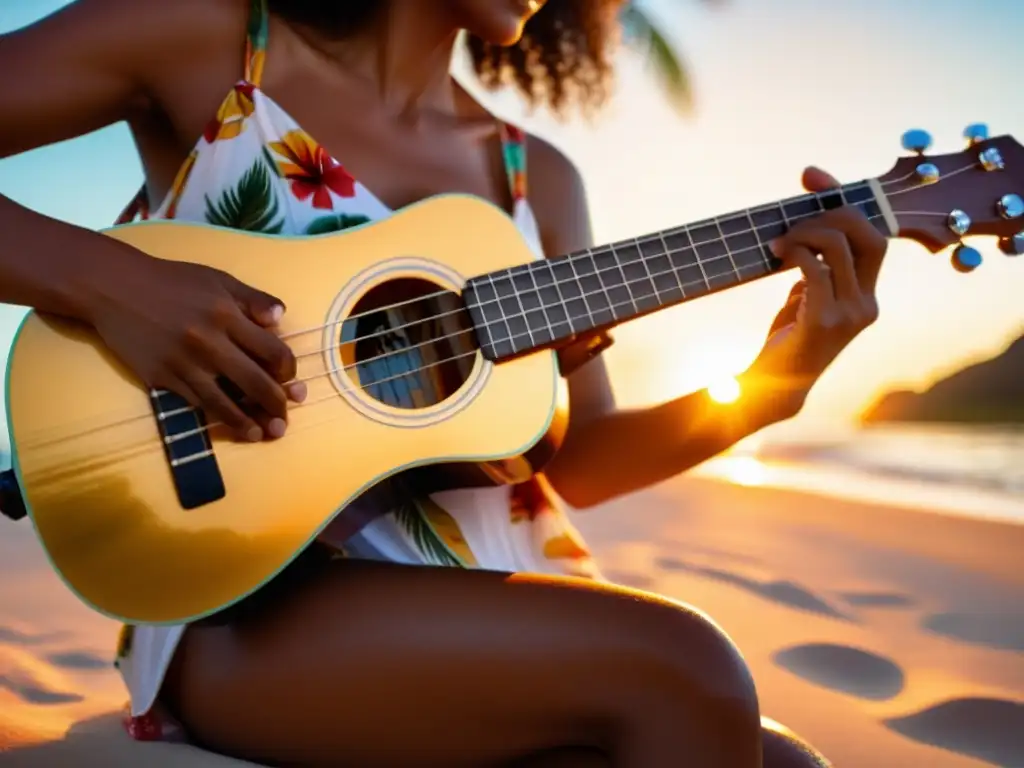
(1012, 246)
(966, 259)
(916, 140)
(991, 159)
(1010, 206)
(958, 222)
(975, 132)
(927, 173)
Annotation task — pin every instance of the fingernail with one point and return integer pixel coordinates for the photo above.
(276, 427)
(297, 391)
(254, 435)
(276, 313)
(775, 247)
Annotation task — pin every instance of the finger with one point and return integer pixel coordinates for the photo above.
(257, 386)
(816, 180)
(260, 307)
(272, 426)
(172, 383)
(819, 296)
(296, 391)
(273, 353)
(835, 251)
(867, 243)
(788, 314)
(219, 407)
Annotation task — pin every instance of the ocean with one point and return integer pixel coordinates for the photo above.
(966, 470)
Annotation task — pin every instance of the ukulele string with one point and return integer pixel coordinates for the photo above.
(40, 442)
(588, 252)
(138, 416)
(130, 417)
(411, 372)
(570, 259)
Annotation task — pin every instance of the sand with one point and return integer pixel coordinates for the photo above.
(885, 636)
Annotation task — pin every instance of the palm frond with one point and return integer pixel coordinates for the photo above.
(643, 33)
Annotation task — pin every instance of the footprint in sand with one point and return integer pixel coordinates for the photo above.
(878, 599)
(33, 680)
(81, 661)
(30, 689)
(779, 591)
(12, 636)
(987, 729)
(844, 669)
(1000, 631)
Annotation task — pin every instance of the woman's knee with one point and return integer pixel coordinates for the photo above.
(781, 748)
(677, 665)
(696, 655)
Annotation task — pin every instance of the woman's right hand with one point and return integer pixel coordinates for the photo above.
(187, 328)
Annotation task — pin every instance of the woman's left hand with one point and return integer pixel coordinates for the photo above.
(836, 299)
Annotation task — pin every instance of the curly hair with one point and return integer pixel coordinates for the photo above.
(563, 60)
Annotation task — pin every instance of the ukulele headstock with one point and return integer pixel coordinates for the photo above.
(938, 200)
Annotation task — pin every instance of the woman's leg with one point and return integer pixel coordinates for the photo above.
(784, 749)
(780, 746)
(372, 664)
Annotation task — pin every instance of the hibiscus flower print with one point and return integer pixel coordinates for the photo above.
(564, 546)
(313, 174)
(231, 117)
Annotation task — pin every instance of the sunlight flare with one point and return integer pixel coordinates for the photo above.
(725, 390)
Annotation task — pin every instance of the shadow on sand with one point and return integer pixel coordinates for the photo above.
(987, 729)
(780, 591)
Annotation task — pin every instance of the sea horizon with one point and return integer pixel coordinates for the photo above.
(970, 470)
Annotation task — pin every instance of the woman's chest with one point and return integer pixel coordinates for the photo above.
(398, 160)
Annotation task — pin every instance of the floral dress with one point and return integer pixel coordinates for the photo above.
(255, 169)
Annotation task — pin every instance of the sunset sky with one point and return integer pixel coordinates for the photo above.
(780, 84)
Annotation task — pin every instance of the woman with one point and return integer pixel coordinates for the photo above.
(352, 656)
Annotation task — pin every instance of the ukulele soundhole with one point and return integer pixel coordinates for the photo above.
(408, 343)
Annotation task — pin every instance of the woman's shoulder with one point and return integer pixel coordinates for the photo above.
(558, 197)
(111, 45)
(185, 26)
(95, 62)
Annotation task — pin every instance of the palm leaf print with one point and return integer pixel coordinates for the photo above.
(447, 529)
(335, 223)
(251, 205)
(411, 518)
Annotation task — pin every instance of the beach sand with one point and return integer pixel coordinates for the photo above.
(885, 636)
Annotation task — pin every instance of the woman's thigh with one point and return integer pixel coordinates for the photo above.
(375, 664)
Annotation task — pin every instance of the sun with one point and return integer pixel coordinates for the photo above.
(725, 390)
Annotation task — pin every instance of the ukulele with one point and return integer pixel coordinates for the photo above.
(429, 344)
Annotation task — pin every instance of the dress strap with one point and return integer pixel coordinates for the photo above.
(256, 41)
(138, 208)
(513, 144)
(255, 54)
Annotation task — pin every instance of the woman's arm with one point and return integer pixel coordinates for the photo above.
(609, 452)
(89, 65)
(71, 73)
(176, 326)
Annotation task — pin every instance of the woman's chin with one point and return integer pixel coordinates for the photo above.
(504, 33)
